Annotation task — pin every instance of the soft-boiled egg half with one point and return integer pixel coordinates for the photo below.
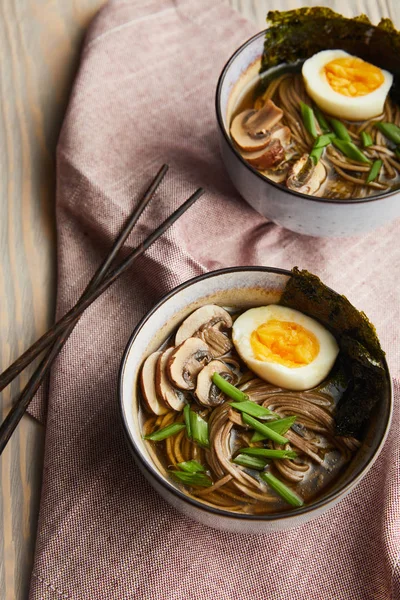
(345, 86)
(284, 347)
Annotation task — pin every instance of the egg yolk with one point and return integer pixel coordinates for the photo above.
(353, 76)
(284, 342)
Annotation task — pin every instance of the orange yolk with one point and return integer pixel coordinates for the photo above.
(353, 76)
(284, 342)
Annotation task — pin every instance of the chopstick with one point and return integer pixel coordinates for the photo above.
(43, 342)
(60, 331)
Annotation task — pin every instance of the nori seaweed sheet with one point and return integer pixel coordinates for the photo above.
(360, 350)
(295, 35)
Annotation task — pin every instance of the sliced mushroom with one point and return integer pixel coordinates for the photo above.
(268, 157)
(151, 399)
(279, 173)
(208, 315)
(305, 176)
(207, 393)
(186, 361)
(251, 129)
(283, 134)
(216, 340)
(173, 398)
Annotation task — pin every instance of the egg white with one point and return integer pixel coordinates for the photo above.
(295, 378)
(337, 105)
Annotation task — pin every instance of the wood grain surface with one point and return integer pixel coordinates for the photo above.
(40, 42)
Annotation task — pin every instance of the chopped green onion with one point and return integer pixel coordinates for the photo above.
(390, 130)
(166, 432)
(309, 119)
(366, 139)
(319, 145)
(267, 453)
(253, 409)
(324, 140)
(340, 130)
(199, 428)
(229, 389)
(316, 154)
(191, 466)
(252, 462)
(351, 151)
(186, 415)
(279, 426)
(283, 490)
(261, 428)
(323, 123)
(200, 479)
(374, 172)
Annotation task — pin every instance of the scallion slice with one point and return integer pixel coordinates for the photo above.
(319, 145)
(196, 479)
(308, 116)
(191, 466)
(253, 409)
(166, 432)
(350, 150)
(324, 140)
(268, 453)
(323, 123)
(280, 426)
(283, 490)
(316, 154)
(340, 130)
(366, 139)
(252, 462)
(390, 130)
(228, 389)
(199, 429)
(374, 172)
(261, 428)
(186, 415)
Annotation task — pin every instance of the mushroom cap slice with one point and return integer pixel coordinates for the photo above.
(268, 157)
(147, 380)
(173, 398)
(207, 393)
(251, 129)
(186, 361)
(218, 342)
(283, 134)
(305, 176)
(242, 137)
(209, 315)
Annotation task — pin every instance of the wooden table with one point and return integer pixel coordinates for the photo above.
(40, 43)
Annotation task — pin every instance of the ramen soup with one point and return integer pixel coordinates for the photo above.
(325, 127)
(240, 408)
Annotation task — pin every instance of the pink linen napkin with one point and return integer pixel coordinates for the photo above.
(144, 95)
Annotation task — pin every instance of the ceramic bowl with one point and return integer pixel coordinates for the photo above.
(239, 287)
(298, 212)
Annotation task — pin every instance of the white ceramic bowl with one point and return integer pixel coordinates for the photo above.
(241, 287)
(295, 211)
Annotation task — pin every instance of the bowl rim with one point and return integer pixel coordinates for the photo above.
(280, 187)
(168, 486)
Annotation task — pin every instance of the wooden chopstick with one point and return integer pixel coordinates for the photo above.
(66, 324)
(43, 342)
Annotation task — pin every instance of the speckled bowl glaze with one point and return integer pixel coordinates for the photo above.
(243, 288)
(298, 212)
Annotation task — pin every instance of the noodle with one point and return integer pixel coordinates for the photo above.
(228, 433)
